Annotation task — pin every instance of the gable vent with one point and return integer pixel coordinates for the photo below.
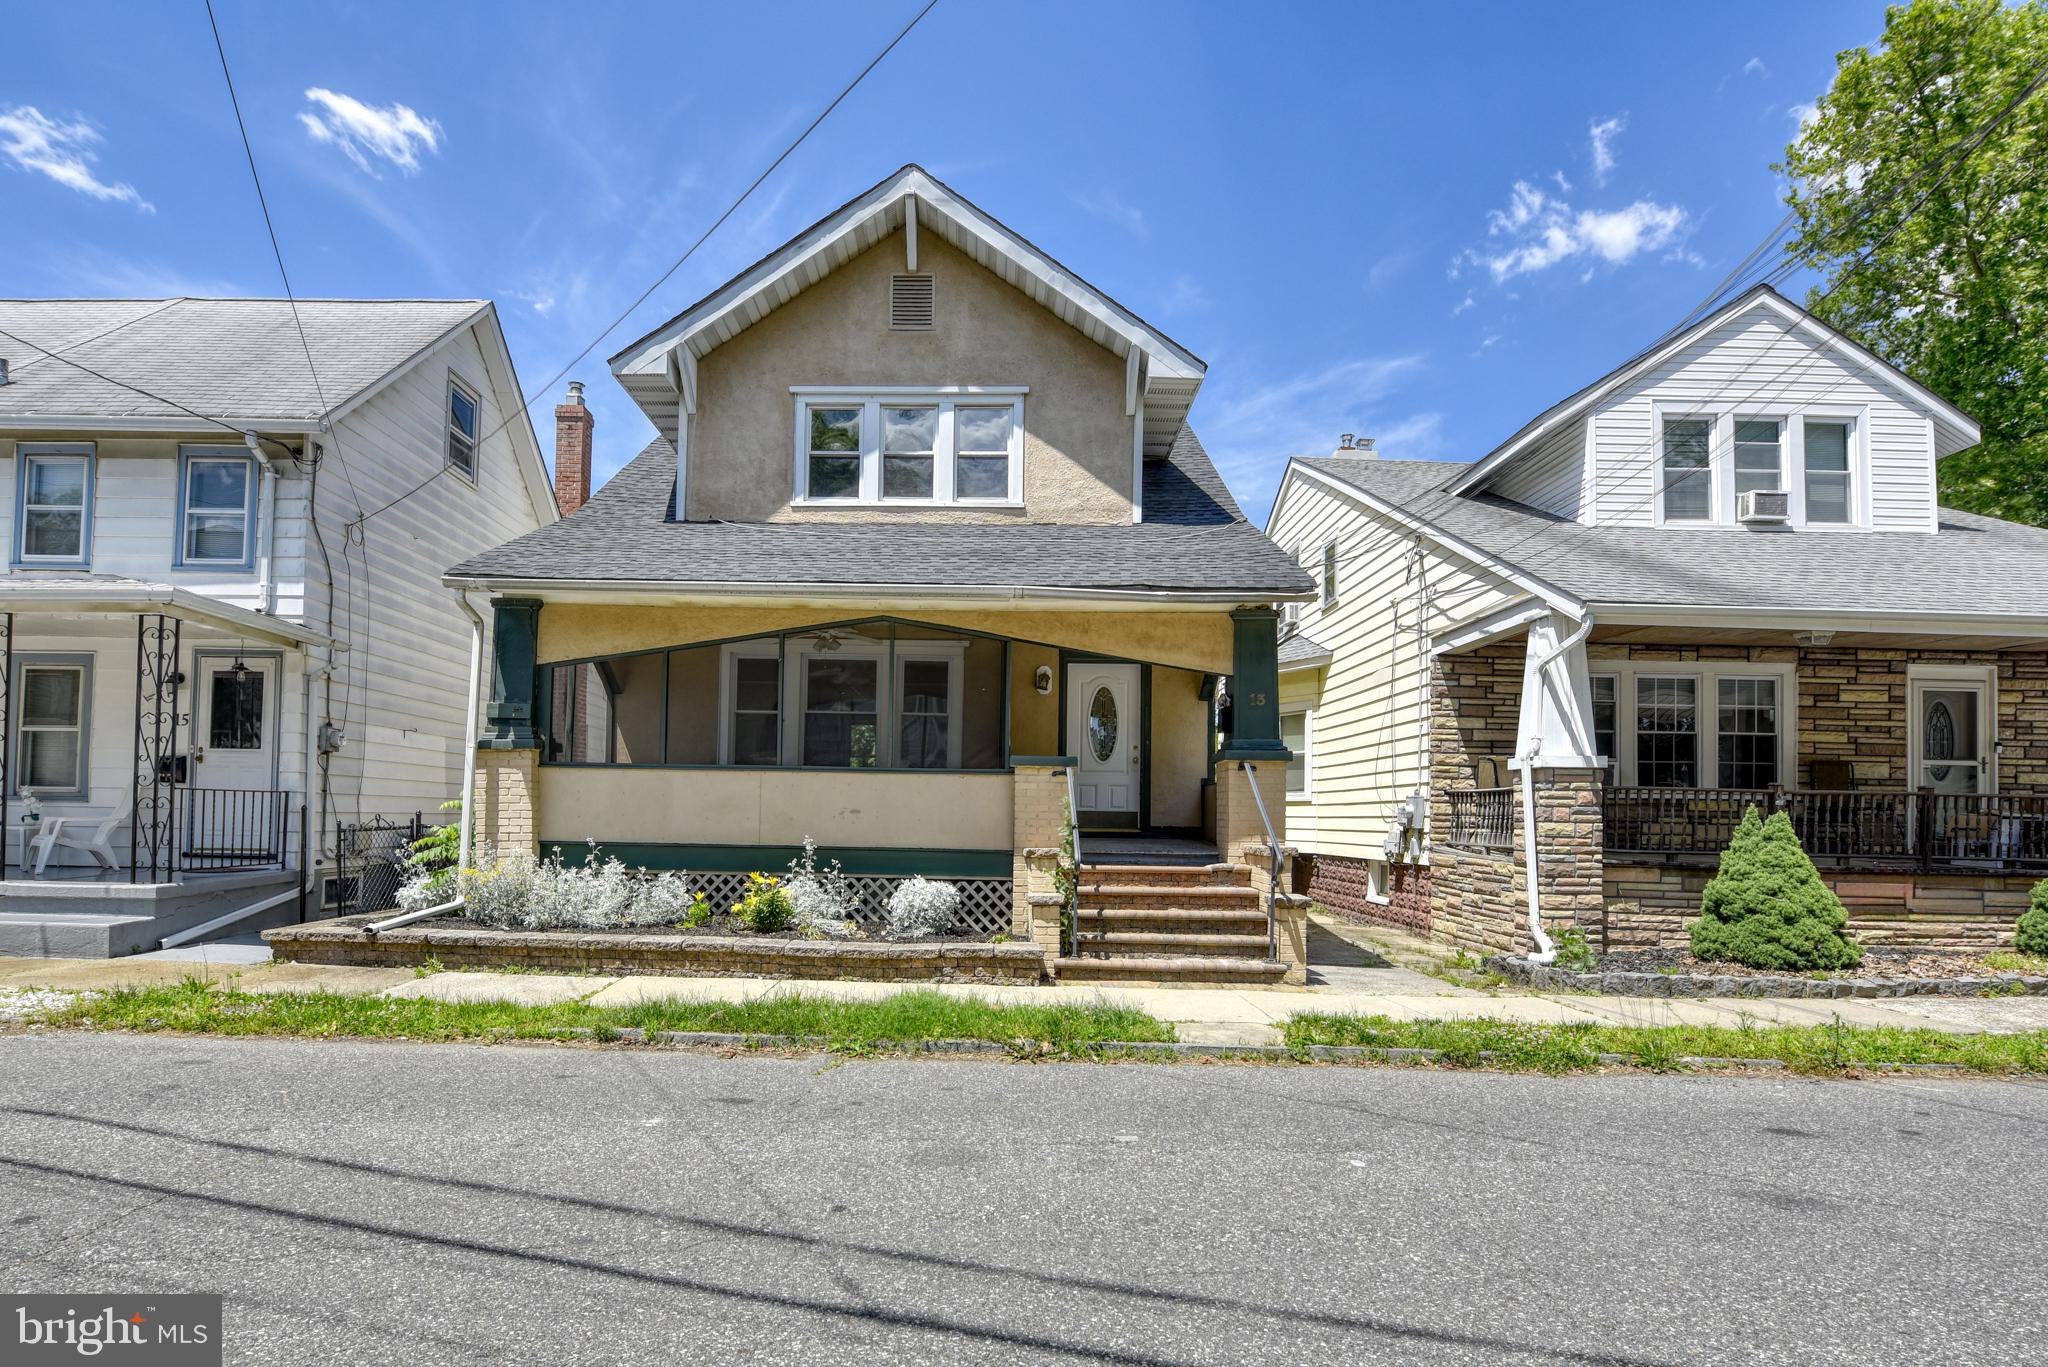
(910, 303)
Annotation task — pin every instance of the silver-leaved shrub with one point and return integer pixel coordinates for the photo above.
(824, 896)
(920, 908)
(513, 890)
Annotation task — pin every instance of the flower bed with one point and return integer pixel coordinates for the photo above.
(452, 942)
(1884, 972)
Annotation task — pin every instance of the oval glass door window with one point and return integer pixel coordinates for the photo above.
(1941, 739)
(1102, 725)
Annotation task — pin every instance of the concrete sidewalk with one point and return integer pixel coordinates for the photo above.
(1202, 1015)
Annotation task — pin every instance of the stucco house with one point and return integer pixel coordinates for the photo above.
(1540, 688)
(221, 627)
(923, 557)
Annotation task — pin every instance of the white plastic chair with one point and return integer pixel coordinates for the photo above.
(99, 844)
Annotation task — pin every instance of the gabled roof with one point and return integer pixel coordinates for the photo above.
(237, 363)
(649, 368)
(1977, 568)
(236, 360)
(1963, 430)
(1194, 543)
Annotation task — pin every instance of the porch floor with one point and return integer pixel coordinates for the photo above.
(109, 917)
(1111, 847)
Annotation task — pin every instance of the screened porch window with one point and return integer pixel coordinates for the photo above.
(756, 710)
(842, 700)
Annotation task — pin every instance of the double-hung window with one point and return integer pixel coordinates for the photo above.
(1759, 455)
(463, 409)
(53, 507)
(1329, 574)
(216, 507)
(1827, 472)
(1294, 735)
(50, 741)
(1747, 732)
(920, 447)
(1687, 476)
(1606, 691)
(755, 693)
(1667, 732)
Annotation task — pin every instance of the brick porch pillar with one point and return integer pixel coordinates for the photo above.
(1038, 824)
(508, 753)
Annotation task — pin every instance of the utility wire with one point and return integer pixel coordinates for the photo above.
(547, 386)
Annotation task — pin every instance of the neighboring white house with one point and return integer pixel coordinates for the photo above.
(1716, 577)
(222, 617)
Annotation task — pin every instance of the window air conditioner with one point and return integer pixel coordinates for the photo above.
(1763, 506)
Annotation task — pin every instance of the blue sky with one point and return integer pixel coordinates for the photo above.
(1420, 222)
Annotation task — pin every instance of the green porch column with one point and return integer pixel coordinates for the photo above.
(1255, 686)
(515, 639)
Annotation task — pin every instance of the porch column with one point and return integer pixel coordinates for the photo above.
(1255, 686)
(1557, 703)
(508, 753)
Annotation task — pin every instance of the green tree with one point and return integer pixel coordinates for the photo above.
(2031, 936)
(1768, 908)
(1955, 290)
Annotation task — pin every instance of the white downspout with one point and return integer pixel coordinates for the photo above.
(1546, 950)
(315, 823)
(266, 524)
(466, 827)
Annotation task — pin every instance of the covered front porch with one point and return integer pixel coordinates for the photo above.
(152, 763)
(1914, 767)
(985, 747)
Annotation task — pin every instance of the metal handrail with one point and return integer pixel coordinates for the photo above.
(1074, 897)
(1273, 849)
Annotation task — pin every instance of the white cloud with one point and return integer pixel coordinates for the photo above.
(1388, 269)
(1539, 232)
(1804, 114)
(1486, 344)
(396, 133)
(1755, 67)
(1415, 437)
(64, 151)
(1564, 186)
(1602, 134)
(1253, 430)
(1467, 302)
(1185, 295)
(1108, 204)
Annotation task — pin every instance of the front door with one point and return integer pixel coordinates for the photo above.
(1952, 719)
(234, 755)
(1106, 728)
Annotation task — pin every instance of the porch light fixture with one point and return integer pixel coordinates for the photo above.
(1813, 638)
(241, 671)
(1042, 680)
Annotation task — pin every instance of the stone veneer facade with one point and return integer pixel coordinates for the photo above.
(1852, 705)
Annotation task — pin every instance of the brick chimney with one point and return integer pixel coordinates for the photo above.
(573, 425)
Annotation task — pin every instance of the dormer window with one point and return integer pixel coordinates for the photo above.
(947, 446)
(1827, 472)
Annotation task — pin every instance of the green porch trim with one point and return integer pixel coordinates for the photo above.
(1255, 686)
(776, 858)
(515, 638)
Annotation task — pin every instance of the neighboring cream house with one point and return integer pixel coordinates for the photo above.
(221, 628)
(923, 557)
(1728, 561)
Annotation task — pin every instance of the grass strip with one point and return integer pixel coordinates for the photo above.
(1814, 1049)
(195, 1007)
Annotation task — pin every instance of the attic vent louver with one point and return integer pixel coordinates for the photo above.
(910, 303)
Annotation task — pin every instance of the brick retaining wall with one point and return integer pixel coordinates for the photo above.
(1345, 885)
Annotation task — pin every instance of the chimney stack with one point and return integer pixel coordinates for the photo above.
(1353, 447)
(573, 425)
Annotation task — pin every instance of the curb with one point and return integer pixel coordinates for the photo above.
(1168, 1051)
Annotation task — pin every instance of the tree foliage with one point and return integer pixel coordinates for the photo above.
(1768, 908)
(1955, 288)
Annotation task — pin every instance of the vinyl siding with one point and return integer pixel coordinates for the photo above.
(1371, 705)
(399, 689)
(1757, 365)
(1551, 475)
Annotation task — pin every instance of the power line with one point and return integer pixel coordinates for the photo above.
(547, 386)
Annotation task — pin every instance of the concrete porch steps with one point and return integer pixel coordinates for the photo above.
(1166, 875)
(1246, 920)
(1167, 968)
(1121, 944)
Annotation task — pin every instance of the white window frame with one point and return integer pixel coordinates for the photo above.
(795, 688)
(1614, 759)
(1377, 877)
(450, 433)
(1708, 674)
(1791, 420)
(1919, 677)
(191, 458)
(1329, 576)
(80, 664)
(871, 399)
(1307, 791)
(27, 455)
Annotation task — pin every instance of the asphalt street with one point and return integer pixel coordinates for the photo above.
(407, 1204)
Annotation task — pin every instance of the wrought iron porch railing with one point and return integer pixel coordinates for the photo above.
(1880, 826)
(232, 828)
(1482, 818)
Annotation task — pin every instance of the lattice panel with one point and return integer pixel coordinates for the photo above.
(984, 902)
